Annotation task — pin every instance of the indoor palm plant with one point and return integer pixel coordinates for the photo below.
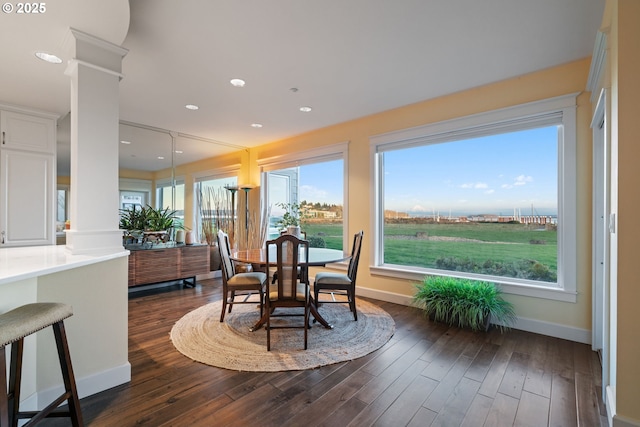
(464, 302)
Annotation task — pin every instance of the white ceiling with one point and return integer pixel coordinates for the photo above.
(346, 58)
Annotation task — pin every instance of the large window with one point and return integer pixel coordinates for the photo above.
(488, 197)
(315, 182)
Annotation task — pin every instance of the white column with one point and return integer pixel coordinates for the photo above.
(95, 72)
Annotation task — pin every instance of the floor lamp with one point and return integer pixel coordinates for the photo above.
(246, 188)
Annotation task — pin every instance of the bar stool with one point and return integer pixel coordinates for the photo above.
(15, 325)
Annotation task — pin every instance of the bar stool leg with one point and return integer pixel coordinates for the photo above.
(15, 380)
(67, 374)
(4, 402)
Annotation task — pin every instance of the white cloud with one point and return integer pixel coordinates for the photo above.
(476, 185)
(308, 192)
(522, 180)
(489, 191)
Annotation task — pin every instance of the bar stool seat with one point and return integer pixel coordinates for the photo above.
(15, 325)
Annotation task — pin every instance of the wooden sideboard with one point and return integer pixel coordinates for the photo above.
(183, 262)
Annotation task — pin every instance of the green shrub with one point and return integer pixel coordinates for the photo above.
(463, 302)
(316, 242)
(522, 269)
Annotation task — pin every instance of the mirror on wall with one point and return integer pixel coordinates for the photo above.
(144, 145)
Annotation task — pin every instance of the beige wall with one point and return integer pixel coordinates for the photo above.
(624, 68)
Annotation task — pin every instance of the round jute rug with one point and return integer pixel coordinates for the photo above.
(200, 336)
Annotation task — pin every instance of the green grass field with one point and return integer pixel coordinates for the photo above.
(499, 242)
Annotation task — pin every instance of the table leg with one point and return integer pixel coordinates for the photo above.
(316, 315)
(260, 322)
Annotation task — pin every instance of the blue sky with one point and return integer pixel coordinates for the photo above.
(322, 182)
(494, 174)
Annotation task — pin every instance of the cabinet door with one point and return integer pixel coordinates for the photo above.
(26, 132)
(156, 265)
(194, 260)
(27, 183)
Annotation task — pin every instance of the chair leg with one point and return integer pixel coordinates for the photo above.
(261, 303)
(67, 374)
(233, 297)
(352, 304)
(269, 331)
(306, 324)
(224, 305)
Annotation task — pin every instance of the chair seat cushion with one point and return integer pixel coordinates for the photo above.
(30, 318)
(327, 278)
(301, 294)
(253, 278)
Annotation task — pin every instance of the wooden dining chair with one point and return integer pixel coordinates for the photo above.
(238, 284)
(290, 289)
(303, 235)
(340, 284)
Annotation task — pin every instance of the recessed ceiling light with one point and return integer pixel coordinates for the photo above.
(179, 151)
(305, 109)
(160, 157)
(237, 82)
(48, 57)
(191, 107)
(256, 125)
(125, 142)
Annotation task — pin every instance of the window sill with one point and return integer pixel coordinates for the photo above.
(556, 294)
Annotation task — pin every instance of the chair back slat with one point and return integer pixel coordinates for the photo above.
(355, 255)
(228, 270)
(291, 253)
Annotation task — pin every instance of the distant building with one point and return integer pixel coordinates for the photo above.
(395, 214)
(313, 213)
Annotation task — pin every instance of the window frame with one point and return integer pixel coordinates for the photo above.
(338, 151)
(167, 183)
(514, 118)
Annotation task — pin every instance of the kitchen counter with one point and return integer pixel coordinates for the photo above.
(33, 261)
(96, 287)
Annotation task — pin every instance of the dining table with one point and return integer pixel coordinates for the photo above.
(317, 257)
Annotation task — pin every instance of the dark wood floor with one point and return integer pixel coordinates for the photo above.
(426, 375)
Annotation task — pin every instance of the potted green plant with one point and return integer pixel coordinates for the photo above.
(148, 223)
(290, 220)
(464, 302)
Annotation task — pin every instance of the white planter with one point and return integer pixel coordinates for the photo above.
(294, 229)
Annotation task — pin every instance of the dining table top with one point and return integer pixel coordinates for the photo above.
(316, 256)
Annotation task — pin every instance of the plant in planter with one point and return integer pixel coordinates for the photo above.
(145, 222)
(464, 302)
(291, 219)
(216, 213)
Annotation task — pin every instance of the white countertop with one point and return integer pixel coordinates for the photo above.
(33, 261)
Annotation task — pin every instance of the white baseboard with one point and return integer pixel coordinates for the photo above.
(87, 386)
(619, 421)
(616, 420)
(530, 325)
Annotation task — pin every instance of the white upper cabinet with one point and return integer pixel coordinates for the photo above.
(27, 132)
(27, 179)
